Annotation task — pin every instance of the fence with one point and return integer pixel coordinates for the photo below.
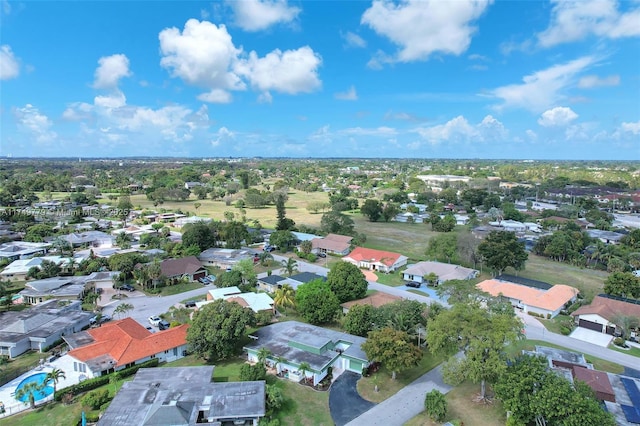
(21, 406)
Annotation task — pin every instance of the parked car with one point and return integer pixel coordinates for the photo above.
(190, 304)
(151, 329)
(321, 254)
(269, 248)
(127, 287)
(163, 325)
(414, 284)
(105, 318)
(154, 320)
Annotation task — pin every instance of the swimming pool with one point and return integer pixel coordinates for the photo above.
(38, 378)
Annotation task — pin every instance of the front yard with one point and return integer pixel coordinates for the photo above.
(388, 387)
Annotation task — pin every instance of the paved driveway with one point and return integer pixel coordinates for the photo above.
(345, 403)
(591, 336)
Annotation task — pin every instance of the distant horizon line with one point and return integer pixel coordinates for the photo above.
(201, 158)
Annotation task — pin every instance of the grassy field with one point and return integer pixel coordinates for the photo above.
(588, 281)
(387, 386)
(461, 407)
(296, 208)
(529, 345)
(19, 365)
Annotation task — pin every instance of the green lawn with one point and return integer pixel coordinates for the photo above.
(462, 407)
(633, 351)
(303, 405)
(555, 325)
(529, 345)
(393, 279)
(179, 288)
(19, 365)
(388, 387)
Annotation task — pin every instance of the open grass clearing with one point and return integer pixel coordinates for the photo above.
(296, 208)
(461, 407)
(529, 345)
(388, 387)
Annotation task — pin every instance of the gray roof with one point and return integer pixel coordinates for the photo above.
(178, 395)
(64, 286)
(271, 279)
(279, 336)
(444, 271)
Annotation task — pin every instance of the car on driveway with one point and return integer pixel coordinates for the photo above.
(154, 320)
(190, 304)
(321, 254)
(163, 325)
(127, 287)
(414, 284)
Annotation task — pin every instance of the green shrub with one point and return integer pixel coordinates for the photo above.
(249, 373)
(565, 331)
(548, 316)
(618, 341)
(96, 399)
(435, 405)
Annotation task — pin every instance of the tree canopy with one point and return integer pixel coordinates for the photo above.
(393, 349)
(501, 250)
(623, 284)
(372, 209)
(316, 302)
(481, 333)
(217, 327)
(200, 234)
(347, 281)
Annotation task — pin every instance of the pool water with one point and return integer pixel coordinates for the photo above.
(39, 379)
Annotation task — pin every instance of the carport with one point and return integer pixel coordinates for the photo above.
(590, 336)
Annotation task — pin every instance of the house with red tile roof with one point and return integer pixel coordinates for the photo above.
(542, 301)
(120, 344)
(376, 260)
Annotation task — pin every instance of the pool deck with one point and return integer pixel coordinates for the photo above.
(7, 391)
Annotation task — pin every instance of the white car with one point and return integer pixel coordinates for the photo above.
(154, 320)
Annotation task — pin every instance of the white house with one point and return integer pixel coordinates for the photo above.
(444, 272)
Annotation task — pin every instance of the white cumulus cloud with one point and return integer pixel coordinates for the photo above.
(573, 20)
(9, 66)
(37, 124)
(459, 129)
(542, 89)
(349, 95)
(257, 15)
(423, 27)
(632, 127)
(353, 40)
(110, 70)
(591, 81)
(557, 117)
(203, 55)
(291, 71)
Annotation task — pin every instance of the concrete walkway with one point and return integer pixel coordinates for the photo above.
(404, 405)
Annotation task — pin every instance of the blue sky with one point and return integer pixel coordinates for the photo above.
(414, 79)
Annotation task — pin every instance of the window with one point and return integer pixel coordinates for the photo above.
(75, 366)
(175, 351)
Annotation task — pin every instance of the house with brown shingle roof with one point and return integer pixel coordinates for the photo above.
(376, 300)
(188, 266)
(531, 299)
(120, 344)
(598, 381)
(332, 243)
(376, 260)
(599, 315)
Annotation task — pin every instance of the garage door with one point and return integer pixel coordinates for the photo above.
(590, 325)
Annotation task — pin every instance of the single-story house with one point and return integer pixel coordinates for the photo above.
(120, 344)
(270, 283)
(332, 244)
(530, 299)
(444, 272)
(15, 250)
(607, 237)
(377, 299)
(135, 231)
(191, 185)
(189, 267)
(185, 396)
(39, 327)
(65, 288)
(292, 343)
(461, 219)
(192, 219)
(225, 258)
(302, 278)
(408, 217)
(598, 381)
(257, 302)
(600, 314)
(560, 358)
(376, 260)
(509, 225)
(90, 238)
(18, 269)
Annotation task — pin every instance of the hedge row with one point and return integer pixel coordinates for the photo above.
(96, 382)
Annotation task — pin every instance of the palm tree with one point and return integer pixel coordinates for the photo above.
(625, 323)
(290, 265)
(285, 297)
(279, 360)
(263, 354)
(54, 377)
(29, 390)
(265, 258)
(122, 309)
(303, 368)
